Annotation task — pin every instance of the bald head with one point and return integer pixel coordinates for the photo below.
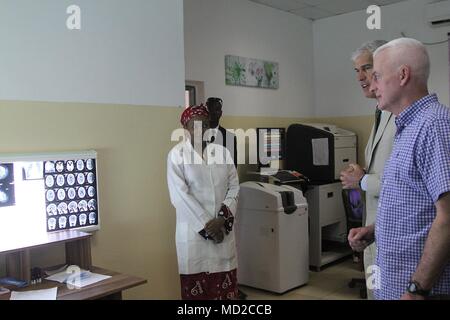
(410, 53)
(400, 74)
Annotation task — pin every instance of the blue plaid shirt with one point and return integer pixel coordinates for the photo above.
(416, 174)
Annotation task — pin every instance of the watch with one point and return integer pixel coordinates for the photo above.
(415, 288)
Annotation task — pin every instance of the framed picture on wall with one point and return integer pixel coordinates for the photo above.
(240, 71)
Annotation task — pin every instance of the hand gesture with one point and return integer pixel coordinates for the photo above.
(218, 238)
(214, 229)
(351, 176)
(360, 238)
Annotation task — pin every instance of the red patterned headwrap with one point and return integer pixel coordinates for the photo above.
(192, 111)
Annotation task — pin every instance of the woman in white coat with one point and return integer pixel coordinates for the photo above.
(203, 187)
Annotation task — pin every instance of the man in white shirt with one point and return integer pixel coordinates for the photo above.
(204, 188)
(377, 152)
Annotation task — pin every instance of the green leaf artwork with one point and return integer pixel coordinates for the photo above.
(240, 71)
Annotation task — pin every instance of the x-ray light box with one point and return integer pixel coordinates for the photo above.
(49, 191)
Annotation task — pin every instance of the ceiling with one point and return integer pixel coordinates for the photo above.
(318, 9)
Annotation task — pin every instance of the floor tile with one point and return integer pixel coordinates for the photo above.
(331, 283)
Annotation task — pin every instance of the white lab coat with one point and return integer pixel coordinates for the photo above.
(197, 190)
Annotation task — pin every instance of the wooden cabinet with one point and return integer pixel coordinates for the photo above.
(17, 250)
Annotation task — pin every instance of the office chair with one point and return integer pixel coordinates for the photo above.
(354, 210)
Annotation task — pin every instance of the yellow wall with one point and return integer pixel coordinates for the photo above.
(137, 220)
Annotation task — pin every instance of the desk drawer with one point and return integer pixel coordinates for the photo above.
(325, 203)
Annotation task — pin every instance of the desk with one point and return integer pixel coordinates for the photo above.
(110, 288)
(78, 252)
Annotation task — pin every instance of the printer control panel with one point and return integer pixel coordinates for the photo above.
(288, 176)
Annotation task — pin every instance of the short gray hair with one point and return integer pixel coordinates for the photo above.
(410, 52)
(369, 46)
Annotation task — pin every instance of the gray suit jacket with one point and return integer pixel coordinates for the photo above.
(377, 152)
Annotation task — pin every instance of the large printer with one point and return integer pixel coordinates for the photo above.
(272, 237)
(319, 151)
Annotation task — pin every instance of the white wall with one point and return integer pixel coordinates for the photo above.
(127, 52)
(215, 28)
(337, 92)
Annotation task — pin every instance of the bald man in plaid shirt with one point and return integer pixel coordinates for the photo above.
(412, 229)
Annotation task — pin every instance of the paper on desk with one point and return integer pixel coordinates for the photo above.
(87, 280)
(64, 275)
(44, 294)
(79, 279)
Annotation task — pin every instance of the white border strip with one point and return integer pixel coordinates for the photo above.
(47, 156)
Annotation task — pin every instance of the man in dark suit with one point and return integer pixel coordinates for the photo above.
(225, 138)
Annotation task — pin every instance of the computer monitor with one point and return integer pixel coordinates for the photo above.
(270, 145)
